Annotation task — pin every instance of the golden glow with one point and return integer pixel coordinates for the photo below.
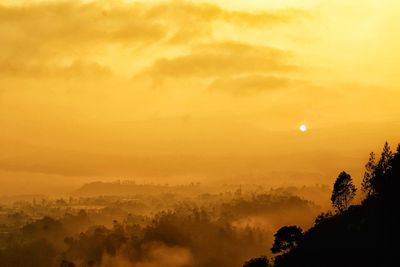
(189, 90)
(303, 128)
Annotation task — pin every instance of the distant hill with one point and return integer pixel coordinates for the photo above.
(125, 188)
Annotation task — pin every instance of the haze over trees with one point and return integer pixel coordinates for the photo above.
(185, 226)
(181, 226)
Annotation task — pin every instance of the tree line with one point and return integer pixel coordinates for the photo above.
(351, 235)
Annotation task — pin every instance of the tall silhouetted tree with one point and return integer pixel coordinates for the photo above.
(377, 175)
(343, 192)
(382, 170)
(393, 183)
(368, 176)
(257, 262)
(286, 238)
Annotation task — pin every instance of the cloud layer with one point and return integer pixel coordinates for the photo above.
(183, 89)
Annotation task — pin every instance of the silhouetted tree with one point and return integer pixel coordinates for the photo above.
(395, 172)
(322, 217)
(257, 262)
(368, 176)
(382, 170)
(286, 238)
(343, 192)
(364, 235)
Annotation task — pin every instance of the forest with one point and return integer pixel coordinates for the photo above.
(197, 226)
(161, 226)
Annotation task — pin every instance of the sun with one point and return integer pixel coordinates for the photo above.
(303, 128)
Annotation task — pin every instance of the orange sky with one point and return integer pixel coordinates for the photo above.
(175, 91)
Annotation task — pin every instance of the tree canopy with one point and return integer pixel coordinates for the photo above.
(286, 238)
(343, 192)
(257, 262)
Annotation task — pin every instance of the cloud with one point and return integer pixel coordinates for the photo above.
(192, 21)
(73, 22)
(55, 34)
(76, 69)
(47, 38)
(249, 85)
(184, 10)
(224, 58)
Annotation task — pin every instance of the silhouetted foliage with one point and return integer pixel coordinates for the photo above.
(322, 217)
(368, 175)
(257, 262)
(286, 238)
(381, 175)
(343, 192)
(360, 235)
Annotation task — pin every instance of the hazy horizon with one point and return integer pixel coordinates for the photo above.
(189, 91)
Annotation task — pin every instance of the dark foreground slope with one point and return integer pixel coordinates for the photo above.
(363, 235)
(359, 235)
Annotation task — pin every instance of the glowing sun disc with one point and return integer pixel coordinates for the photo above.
(303, 128)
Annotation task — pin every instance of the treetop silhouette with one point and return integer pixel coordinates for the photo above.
(343, 192)
(286, 238)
